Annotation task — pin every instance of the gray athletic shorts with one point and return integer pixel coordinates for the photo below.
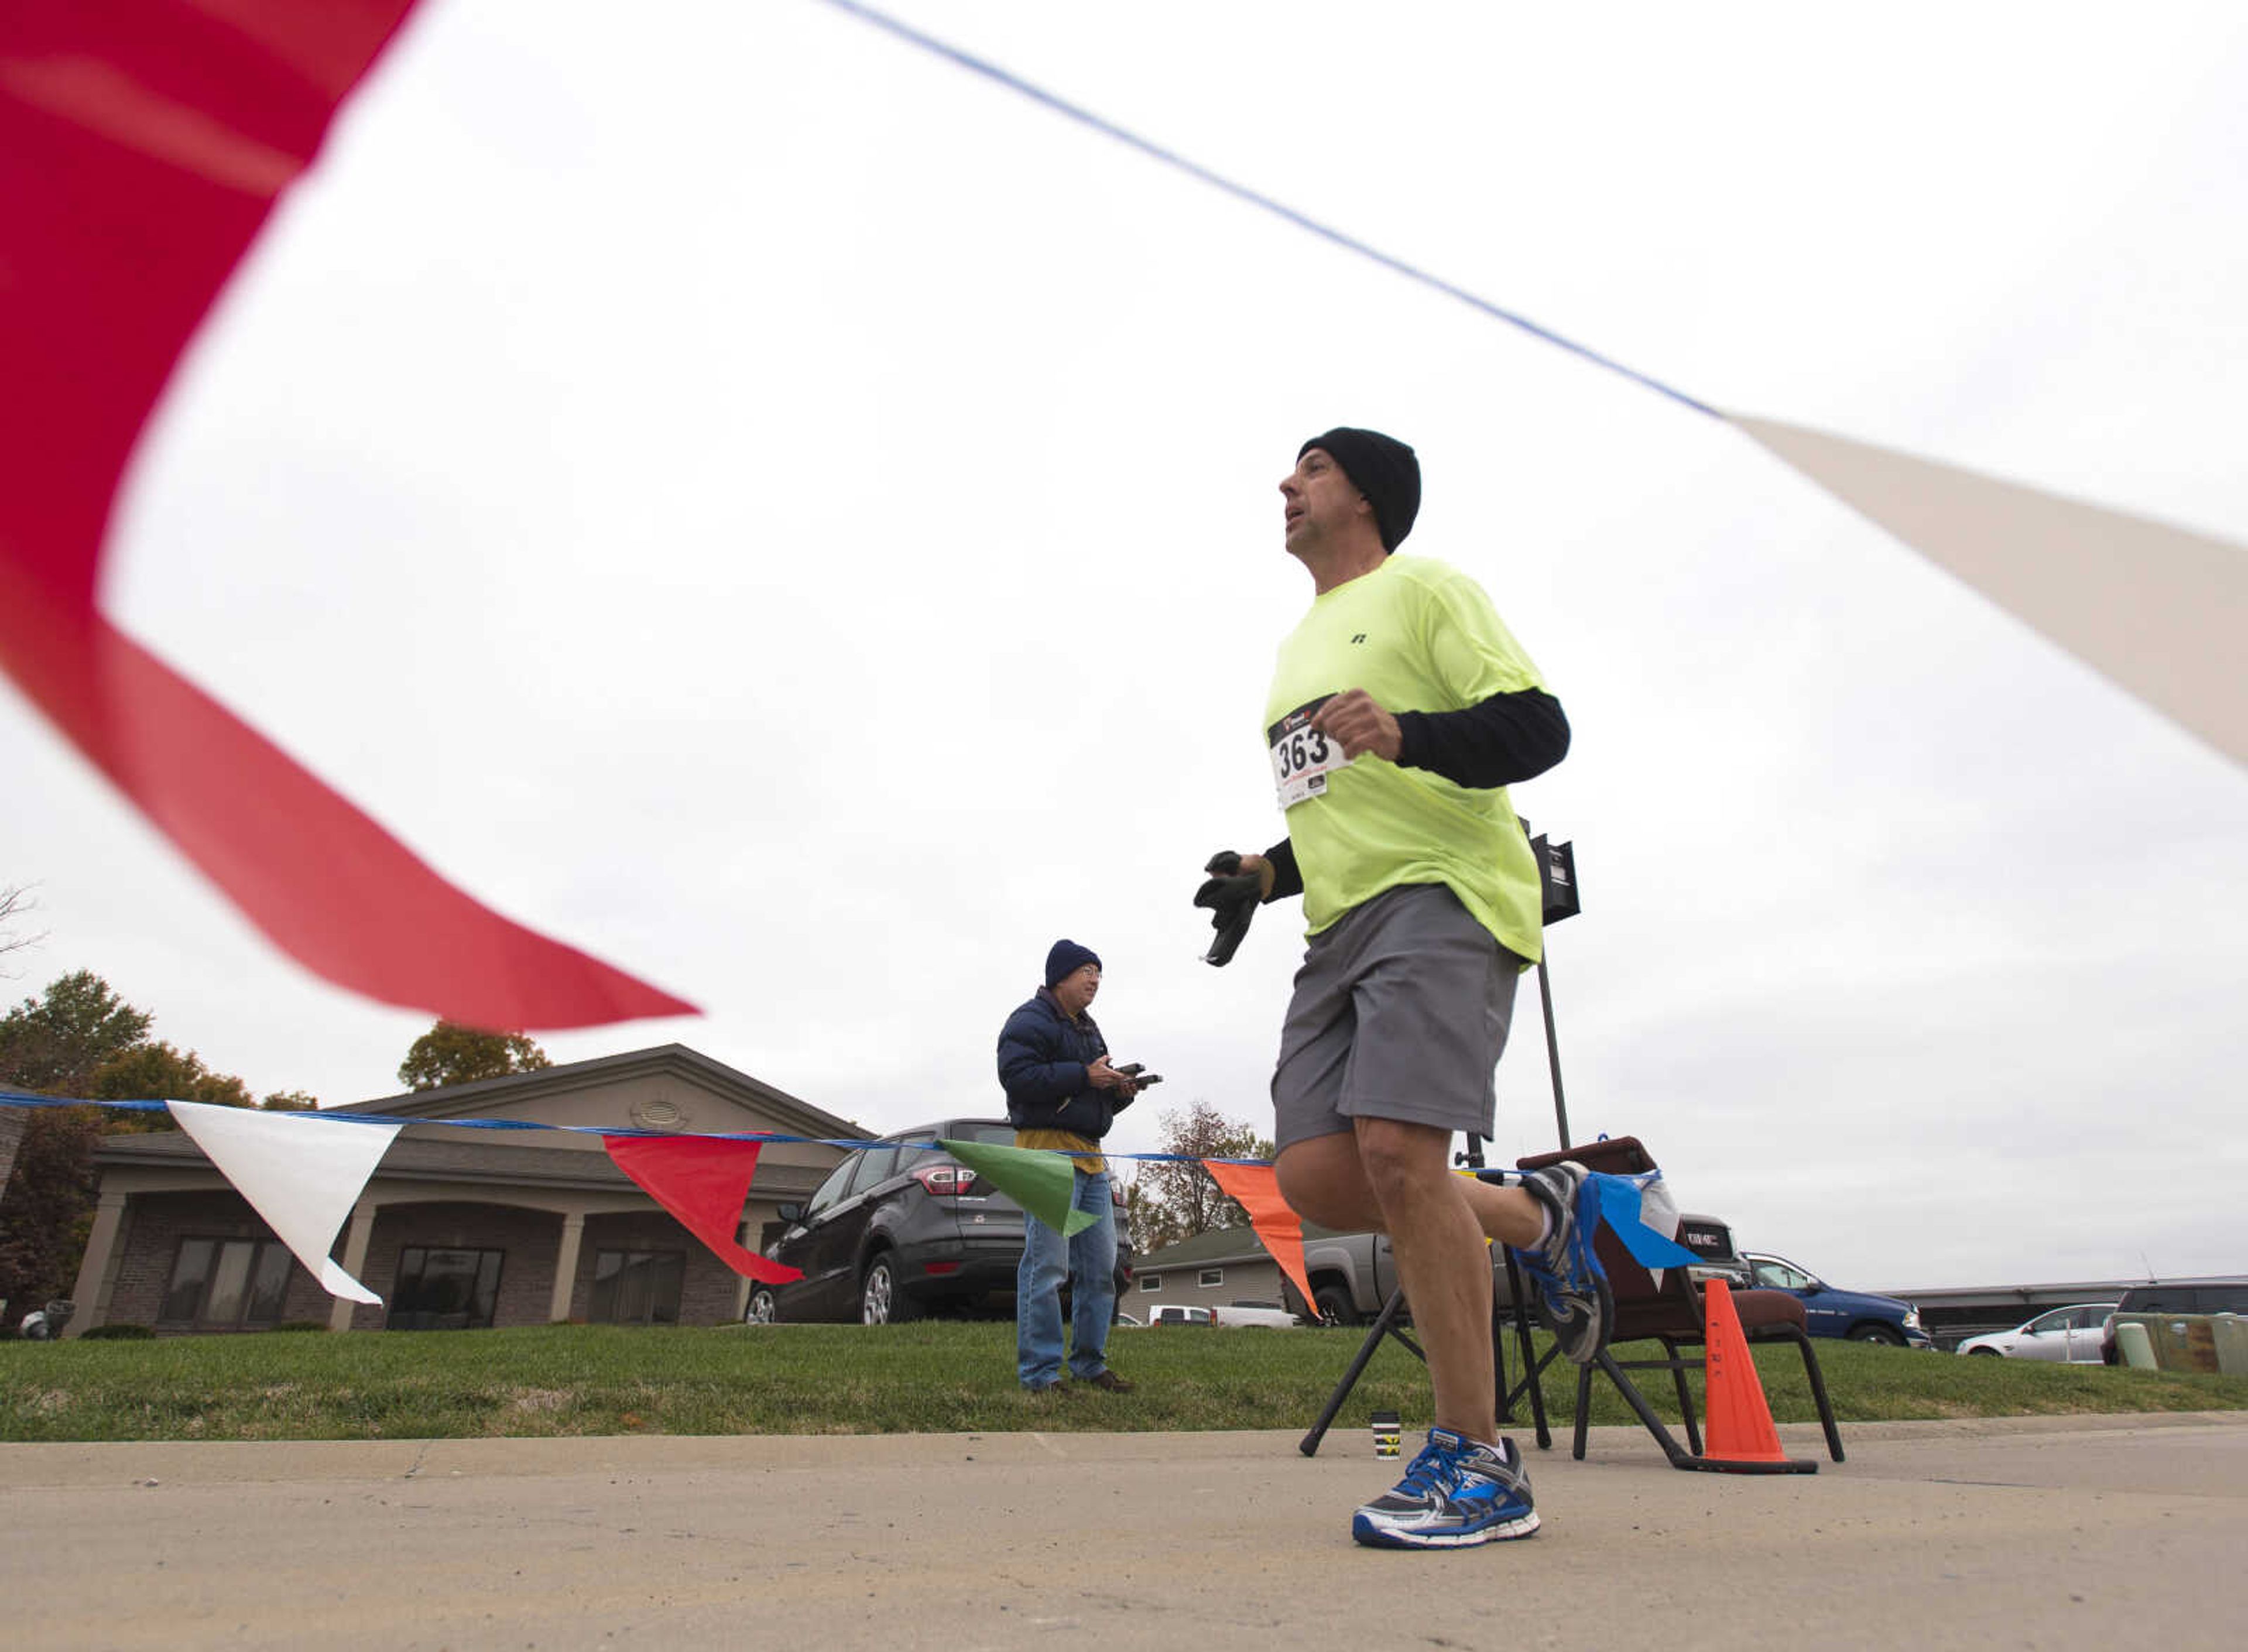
(1401, 1011)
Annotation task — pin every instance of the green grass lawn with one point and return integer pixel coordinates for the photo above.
(941, 1377)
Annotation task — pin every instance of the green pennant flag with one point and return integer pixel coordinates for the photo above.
(1043, 1184)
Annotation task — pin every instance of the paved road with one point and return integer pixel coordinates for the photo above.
(2071, 1533)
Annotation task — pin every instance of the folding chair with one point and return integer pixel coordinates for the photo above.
(1670, 1313)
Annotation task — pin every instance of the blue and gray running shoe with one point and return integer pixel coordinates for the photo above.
(1571, 1287)
(1456, 1494)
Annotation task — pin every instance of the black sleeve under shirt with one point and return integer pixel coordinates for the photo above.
(1501, 741)
(1507, 738)
(1287, 876)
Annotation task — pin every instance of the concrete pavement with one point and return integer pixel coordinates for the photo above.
(2055, 1532)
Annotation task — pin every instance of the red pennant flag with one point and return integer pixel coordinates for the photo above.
(143, 144)
(703, 1182)
(1257, 1187)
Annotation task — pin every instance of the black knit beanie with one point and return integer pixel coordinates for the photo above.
(1382, 468)
(1067, 958)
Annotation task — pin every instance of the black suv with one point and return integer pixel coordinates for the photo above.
(2223, 1296)
(897, 1231)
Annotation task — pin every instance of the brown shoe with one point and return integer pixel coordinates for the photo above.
(1111, 1381)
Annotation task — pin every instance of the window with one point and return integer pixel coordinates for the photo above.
(830, 1190)
(449, 1289)
(1209, 1278)
(998, 1134)
(636, 1287)
(1151, 1282)
(875, 1165)
(226, 1284)
(1775, 1275)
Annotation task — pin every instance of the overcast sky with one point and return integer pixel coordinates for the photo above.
(744, 496)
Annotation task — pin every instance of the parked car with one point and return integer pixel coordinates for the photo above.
(1827, 1312)
(2220, 1296)
(897, 1231)
(1711, 1239)
(2070, 1336)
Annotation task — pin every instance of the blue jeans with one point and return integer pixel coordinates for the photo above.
(1088, 1260)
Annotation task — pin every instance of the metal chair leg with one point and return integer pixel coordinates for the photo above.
(1819, 1394)
(1685, 1399)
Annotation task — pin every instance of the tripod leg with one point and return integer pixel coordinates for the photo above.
(1532, 1367)
(1498, 1359)
(1384, 1324)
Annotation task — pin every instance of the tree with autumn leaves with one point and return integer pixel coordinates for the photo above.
(1167, 1202)
(451, 1053)
(80, 1040)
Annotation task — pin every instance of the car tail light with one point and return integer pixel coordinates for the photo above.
(938, 1270)
(946, 1181)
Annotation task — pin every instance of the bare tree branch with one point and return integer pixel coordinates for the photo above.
(15, 903)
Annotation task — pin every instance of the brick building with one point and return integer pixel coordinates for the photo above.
(459, 1228)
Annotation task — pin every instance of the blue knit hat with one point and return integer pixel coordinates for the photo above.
(1067, 958)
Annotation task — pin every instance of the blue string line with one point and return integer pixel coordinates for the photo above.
(25, 1099)
(1242, 192)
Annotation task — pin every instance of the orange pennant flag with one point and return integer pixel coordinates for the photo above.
(1257, 1187)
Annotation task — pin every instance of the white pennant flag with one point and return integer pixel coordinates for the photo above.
(2160, 611)
(301, 1174)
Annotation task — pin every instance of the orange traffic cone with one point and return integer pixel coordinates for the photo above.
(1741, 1437)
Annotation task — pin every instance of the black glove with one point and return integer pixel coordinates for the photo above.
(1232, 896)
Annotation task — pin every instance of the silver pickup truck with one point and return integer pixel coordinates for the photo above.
(1352, 1274)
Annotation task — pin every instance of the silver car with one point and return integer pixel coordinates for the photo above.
(2068, 1335)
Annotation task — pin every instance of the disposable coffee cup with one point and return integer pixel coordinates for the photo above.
(1388, 1431)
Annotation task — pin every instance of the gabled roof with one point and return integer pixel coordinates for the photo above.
(1219, 1244)
(792, 1116)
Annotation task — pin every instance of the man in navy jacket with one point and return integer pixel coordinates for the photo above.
(1063, 1095)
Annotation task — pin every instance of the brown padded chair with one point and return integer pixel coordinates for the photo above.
(1669, 1314)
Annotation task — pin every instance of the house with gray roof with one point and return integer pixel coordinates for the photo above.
(460, 1228)
(1217, 1268)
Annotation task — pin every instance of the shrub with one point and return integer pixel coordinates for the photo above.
(121, 1332)
(299, 1325)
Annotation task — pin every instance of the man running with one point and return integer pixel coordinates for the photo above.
(1401, 709)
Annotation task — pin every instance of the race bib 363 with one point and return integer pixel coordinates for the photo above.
(1302, 757)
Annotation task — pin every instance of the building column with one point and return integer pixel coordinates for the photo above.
(746, 1238)
(95, 1273)
(565, 1266)
(354, 1262)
